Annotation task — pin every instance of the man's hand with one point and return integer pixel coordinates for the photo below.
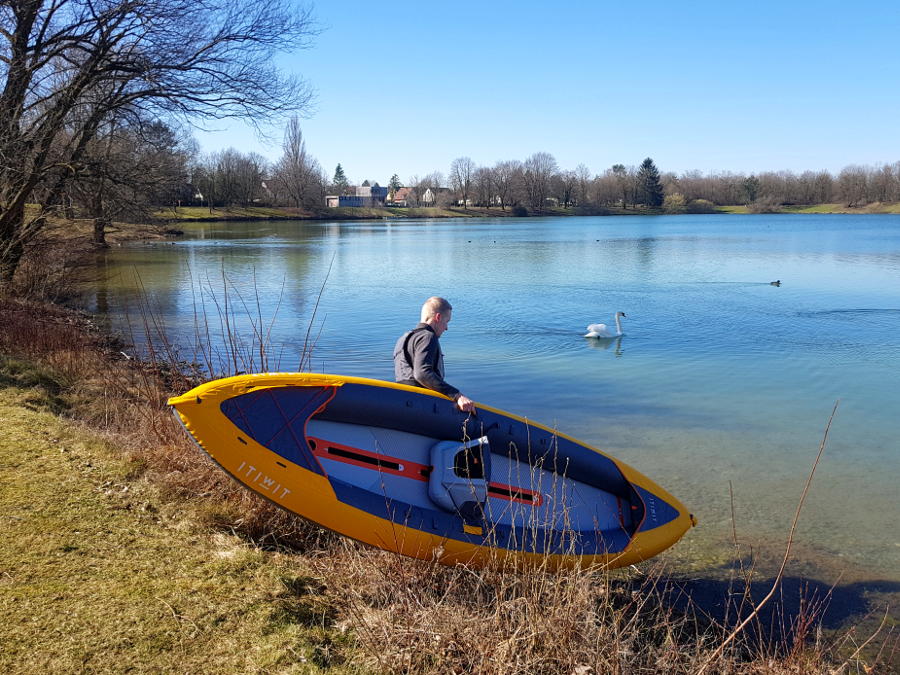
(465, 404)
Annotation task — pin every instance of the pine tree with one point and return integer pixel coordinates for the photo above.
(340, 179)
(395, 185)
(649, 185)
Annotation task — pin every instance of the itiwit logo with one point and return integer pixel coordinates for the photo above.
(256, 479)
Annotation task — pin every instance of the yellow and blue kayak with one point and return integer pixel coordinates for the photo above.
(403, 469)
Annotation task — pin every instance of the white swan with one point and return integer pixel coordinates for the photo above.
(601, 330)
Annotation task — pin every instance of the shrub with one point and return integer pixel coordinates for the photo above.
(519, 211)
(765, 205)
(701, 206)
(675, 203)
(54, 270)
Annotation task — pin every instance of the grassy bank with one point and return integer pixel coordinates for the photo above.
(235, 213)
(100, 573)
(835, 208)
(126, 549)
(201, 214)
(874, 208)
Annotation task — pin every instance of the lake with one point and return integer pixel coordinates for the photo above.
(720, 389)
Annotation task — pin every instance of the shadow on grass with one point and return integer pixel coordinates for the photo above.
(720, 599)
(800, 609)
(23, 375)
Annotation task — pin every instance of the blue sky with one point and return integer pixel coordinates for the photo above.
(405, 87)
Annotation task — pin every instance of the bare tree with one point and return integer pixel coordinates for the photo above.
(895, 189)
(190, 59)
(128, 171)
(853, 186)
(462, 171)
(624, 181)
(238, 176)
(484, 186)
(538, 171)
(883, 182)
(583, 183)
(230, 177)
(605, 189)
(566, 187)
(297, 173)
(503, 175)
(414, 183)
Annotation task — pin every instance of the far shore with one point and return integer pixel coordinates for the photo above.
(76, 233)
(184, 214)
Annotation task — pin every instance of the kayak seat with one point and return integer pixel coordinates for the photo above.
(458, 481)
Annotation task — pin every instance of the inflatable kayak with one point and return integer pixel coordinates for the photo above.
(403, 469)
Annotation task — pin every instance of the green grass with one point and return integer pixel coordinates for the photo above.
(819, 208)
(122, 231)
(98, 573)
(188, 213)
(832, 207)
(198, 213)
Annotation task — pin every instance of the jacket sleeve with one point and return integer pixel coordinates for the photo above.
(425, 352)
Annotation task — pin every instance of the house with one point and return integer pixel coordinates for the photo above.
(437, 196)
(400, 197)
(365, 195)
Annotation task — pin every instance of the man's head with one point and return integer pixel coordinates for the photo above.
(436, 312)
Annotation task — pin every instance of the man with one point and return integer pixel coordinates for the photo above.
(418, 360)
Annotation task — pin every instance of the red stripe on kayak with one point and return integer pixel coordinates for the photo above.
(515, 494)
(370, 460)
(397, 466)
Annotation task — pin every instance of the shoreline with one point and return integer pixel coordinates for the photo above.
(254, 213)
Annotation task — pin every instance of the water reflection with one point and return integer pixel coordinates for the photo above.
(604, 344)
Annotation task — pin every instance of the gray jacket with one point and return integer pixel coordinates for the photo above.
(419, 361)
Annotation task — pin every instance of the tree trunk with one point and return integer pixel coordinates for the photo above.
(100, 231)
(100, 220)
(11, 248)
(8, 265)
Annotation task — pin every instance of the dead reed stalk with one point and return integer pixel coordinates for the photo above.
(787, 553)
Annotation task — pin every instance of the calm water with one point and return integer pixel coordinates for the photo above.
(720, 379)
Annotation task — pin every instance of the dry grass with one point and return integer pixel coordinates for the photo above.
(417, 617)
(361, 609)
(99, 573)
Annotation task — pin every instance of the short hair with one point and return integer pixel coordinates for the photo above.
(434, 305)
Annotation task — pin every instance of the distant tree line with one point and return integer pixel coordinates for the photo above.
(538, 183)
(131, 168)
(233, 178)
